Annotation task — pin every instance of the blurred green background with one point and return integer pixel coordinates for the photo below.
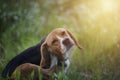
(95, 23)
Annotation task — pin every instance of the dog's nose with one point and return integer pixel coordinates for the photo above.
(66, 41)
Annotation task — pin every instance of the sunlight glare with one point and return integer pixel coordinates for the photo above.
(108, 5)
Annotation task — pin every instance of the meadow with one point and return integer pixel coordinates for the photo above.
(95, 24)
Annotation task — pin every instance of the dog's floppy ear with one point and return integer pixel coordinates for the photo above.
(45, 56)
(75, 41)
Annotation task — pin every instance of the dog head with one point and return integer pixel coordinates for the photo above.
(57, 43)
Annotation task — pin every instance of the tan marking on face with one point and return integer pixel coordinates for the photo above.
(55, 41)
(59, 42)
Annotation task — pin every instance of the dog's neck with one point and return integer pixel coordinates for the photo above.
(54, 61)
(65, 63)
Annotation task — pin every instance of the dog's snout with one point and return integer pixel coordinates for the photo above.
(66, 41)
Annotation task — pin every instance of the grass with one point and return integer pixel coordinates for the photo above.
(93, 64)
(99, 36)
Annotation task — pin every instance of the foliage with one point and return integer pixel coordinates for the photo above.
(24, 23)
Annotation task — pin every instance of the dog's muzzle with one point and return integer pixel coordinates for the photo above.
(67, 43)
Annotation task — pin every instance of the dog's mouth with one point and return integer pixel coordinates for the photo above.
(66, 47)
(69, 46)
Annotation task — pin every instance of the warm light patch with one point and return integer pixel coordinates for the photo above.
(99, 20)
(108, 5)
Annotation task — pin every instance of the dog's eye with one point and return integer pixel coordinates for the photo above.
(63, 33)
(55, 42)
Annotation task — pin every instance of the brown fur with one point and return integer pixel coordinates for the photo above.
(52, 40)
(27, 69)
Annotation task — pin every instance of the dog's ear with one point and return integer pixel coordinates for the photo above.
(75, 41)
(45, 56)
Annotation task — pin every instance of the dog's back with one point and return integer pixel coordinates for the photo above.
(30, 55)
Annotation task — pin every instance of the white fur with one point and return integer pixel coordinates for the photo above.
(54, 61)
(67, 62)
(66, 54)
(61, 44)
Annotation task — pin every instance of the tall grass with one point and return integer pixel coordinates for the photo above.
(99, 35)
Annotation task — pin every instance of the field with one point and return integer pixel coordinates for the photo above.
(96, 25)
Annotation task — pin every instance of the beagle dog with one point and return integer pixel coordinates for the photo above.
(55, 53)
(56, 48)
